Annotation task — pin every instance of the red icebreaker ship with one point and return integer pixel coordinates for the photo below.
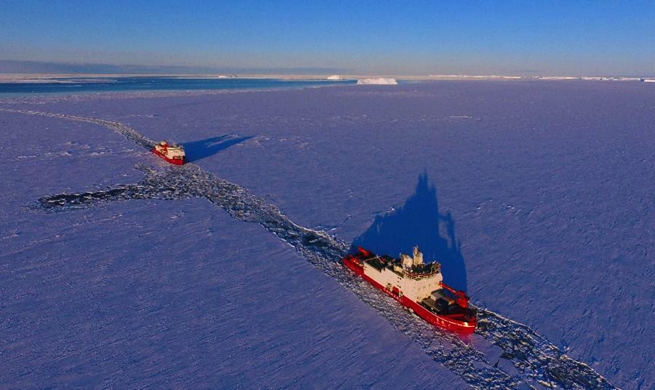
(174, 154)
(418, 286)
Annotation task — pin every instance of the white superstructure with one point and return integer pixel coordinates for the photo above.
(411, 276)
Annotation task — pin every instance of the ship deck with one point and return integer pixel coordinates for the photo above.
(444, 306)
(380, 262)
(377, 263)
(430, 304)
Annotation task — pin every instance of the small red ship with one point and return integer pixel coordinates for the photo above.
(174, 154)
(418, 286)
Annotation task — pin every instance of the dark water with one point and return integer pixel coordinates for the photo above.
(122, 84)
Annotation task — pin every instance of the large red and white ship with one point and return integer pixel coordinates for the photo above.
(174, 154)
(418, 286)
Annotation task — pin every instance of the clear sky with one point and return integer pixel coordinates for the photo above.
(358, 36)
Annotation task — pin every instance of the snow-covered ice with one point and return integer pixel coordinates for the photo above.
(168, 294)
(543, 188)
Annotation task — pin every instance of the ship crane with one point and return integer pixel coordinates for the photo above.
(461, 298)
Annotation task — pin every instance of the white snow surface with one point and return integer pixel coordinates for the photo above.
(167, 293)
(549, 186)
(377, 81)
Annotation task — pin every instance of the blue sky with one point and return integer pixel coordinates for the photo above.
(375, 37)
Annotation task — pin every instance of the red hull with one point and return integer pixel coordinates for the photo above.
(170, 160)
(432, 318)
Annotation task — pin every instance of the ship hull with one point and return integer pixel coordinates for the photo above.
(432, 318)
(170, 160)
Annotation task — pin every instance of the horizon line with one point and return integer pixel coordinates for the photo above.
(45, 68)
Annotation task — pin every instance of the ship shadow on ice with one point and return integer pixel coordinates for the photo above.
(197, 150)
(419, 222)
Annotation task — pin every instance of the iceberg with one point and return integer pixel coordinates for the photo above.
(378, 81)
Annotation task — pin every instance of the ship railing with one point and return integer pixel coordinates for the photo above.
(420, 275)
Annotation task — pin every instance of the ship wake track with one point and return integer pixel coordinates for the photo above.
(526, 359)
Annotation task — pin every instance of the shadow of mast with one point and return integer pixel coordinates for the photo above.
(419, 222)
